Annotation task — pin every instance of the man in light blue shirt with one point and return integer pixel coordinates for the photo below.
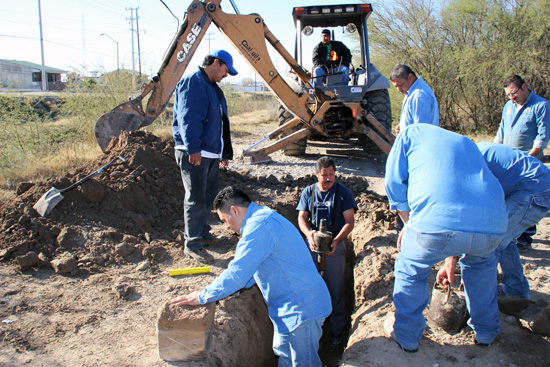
(272, 254)
(525, 122)
(419, 104)
(526, 184)
(451, 205)
(525, 125)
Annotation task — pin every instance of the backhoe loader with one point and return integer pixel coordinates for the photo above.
(329, 112)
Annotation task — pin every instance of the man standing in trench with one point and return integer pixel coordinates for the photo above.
(419, 104)
(451, 205)
(525, 125)
(203, 146)
(271, 254)
(332, 201)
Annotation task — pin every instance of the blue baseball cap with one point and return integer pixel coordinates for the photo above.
(226, 58)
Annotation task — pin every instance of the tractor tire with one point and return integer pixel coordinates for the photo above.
(377, 103)
(298, 147)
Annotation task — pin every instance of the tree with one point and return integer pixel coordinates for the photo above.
(464, 49)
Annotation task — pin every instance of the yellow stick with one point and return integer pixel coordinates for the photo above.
(202, 269)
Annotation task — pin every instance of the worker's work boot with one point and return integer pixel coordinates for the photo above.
(388, 330)
(215, 241)
(336, 341)
(511, 305)
(199, 255)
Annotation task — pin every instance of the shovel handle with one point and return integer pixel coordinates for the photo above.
(84, 179)
(448, 289)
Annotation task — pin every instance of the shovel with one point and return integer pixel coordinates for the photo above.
(50, 199)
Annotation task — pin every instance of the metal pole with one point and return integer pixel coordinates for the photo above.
(117, 63)
(139, 53)
(44, 77)
(133, 57)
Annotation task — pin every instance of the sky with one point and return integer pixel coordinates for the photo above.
(72, 40)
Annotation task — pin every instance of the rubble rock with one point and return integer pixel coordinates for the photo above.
(28, 260)
(93, 191)
(64, 263)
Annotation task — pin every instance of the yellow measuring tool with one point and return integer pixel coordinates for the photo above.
(199, 270)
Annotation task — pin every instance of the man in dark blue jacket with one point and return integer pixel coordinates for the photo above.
(203, 146)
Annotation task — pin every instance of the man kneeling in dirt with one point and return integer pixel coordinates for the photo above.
(526, 184)
(451, 205)
(271, 254)
(332, 201)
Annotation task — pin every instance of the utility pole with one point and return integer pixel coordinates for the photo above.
(209, 37)
(84, 69)
(137, 33)
(133, 58)
(43, 72)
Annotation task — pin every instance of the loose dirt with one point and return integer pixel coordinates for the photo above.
(83, 286)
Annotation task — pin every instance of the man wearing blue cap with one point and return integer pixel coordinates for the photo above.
(203, 145)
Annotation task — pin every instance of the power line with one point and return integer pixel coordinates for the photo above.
(54, 43)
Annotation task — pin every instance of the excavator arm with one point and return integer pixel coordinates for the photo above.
(248, 33)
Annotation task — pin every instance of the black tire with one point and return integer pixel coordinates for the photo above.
(298, 147)
(377, 103)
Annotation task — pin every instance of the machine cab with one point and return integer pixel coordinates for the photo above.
(351, 18)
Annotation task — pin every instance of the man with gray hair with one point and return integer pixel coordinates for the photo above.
(419, 104)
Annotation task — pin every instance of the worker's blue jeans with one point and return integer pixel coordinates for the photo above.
(299, 347)
(419, 251)
(319, 73)
(334, 279)
(524, 211)
(201, 187)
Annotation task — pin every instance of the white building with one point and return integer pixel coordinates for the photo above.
(27, 75)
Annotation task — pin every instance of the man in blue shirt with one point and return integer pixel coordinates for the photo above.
(329, 200)
(451, 205)
(526, 184)
(271, 254)
(203, 146)
(525, 125)
(419, 104)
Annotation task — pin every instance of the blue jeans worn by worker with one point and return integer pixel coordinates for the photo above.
(201, 187)
(319, 73)
(524, 211)
(334, 279)
(421, 250)
(300, 346)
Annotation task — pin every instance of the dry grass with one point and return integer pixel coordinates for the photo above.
(249, 121)
(67, 157)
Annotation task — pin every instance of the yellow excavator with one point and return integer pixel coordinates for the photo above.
(359, 110)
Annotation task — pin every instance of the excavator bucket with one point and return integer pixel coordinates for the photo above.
(112, 123)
